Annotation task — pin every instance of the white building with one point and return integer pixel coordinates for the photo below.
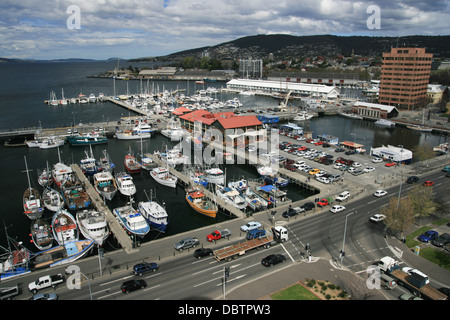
(330, 92)
(396, 154)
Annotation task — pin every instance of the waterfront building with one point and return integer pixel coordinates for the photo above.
(396, 154)
(374, 110)
(436, 93)
(302, 89)
(405, 74)
(333, 78)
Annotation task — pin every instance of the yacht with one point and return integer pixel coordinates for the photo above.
(385, 123)
(215, 175)
(163, 176)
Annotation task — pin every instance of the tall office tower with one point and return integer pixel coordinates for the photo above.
(405, 74)
(251, 69)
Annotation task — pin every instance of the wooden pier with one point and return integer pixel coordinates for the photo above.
(114, 225)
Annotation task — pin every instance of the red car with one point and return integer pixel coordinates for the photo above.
(323, 203)
(428, 183)
(390, 164)
(302, 148)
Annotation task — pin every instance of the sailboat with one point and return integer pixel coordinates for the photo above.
(422, 127)
(63, 100)
(145, 161)
(32, 205)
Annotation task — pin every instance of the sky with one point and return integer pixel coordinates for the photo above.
(100, 29)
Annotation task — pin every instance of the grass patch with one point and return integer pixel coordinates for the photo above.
(437, 256)
(294, 292)
(441, 222)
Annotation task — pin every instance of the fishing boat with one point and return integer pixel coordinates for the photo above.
(93, 225)
(74, 195)
(61, 173)
(14, 260)
(32, 204)
(45, 177)
(155, 214)
(64, 227)
(41, 234)
(231, 196)
(145, 161)
(141, 131)
(105, 184)
(132, 220)
(215, 175)
(239, 185)
(52, 199)
(255, 202)
(200, 203)
(105, 163)
(88, 164)
(62, 254)
(51, 142)
(131, 165)
(303, 116)
(385, 123)
(163, 176)
(83, 139)
(125, 184)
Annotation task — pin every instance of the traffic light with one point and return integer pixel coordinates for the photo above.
(226, 272)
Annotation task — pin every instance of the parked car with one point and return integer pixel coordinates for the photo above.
(308, 206)
(409, 296)
(132, 285)
(186, 243)
(428, 183)
(377, 160)
(339, 150)
(343, 196)
(144, 267)
(428, 236)
(272, 260)
(250, 226)
(323, 202)
(337, 208)
(45, 296)
(323, 180)
(380, 193)
(368, 169)
(202, 252)
(314, 171)
(412, 179)
(390, 164)
(442, 240)
(292, 212)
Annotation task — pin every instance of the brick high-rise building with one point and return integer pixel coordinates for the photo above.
(405, 75)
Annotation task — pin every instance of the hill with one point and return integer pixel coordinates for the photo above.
(282, 45)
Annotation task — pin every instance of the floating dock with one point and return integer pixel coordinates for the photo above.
(114, 226)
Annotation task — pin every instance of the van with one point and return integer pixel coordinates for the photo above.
(387, 282)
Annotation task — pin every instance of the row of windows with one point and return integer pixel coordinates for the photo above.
(407, 58)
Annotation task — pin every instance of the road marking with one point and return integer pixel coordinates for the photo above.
(105, 283)
(288, 253)
(230, 280)
(111, 294)
(152, 287)
(153, 275)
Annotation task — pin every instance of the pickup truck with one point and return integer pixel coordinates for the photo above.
(216, 235)
(45, 282)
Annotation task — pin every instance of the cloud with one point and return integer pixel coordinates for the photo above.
(37, 29)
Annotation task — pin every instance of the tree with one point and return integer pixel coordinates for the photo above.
(399, 215)
(422, 201)
(423, 152)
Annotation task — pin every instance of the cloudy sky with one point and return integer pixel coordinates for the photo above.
(99, 29)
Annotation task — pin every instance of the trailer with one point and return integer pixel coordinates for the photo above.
(414, 282)
(234, 251)
(9, 293)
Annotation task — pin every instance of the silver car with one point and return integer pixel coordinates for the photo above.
(186, 243)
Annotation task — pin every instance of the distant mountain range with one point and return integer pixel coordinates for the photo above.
(282, 45)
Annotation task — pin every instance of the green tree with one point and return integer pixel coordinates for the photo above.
(422, 201)
(399, 215)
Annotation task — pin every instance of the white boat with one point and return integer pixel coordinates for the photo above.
(132, 220)
(350, 115)
(231, 196)
(53, 101)
(101, 97)
(52, 199)
(92, 98)
(61, 173)
(141, 130)
(125, 184)
(254, 201)
(105, 184)
(45, 177)
(105, 163)
(32, 205)
(51, 142)
(303, 116)
(240, 185)
(419, 128)
(385, 123)
(93, 225)
(173, 131)
(215, 175)
(35, 143)
(62, 254)
(41, 234)
(163, 176)
(155, 214)
(64, 227)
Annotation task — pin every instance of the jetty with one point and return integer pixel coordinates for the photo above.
(114, 226)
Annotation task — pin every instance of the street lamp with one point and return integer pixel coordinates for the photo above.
(345, 231)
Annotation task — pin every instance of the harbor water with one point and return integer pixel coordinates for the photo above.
(25, 86)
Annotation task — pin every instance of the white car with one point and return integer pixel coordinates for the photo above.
(377, 160)
(409, 271)
(343, 196)
(337, 208)
(377, 218)
(337, 165)
(356, 165)
(368, 169)
(323, 180)
(251, 226)
(380, 193)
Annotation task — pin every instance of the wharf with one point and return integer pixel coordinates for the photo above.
(114, 226)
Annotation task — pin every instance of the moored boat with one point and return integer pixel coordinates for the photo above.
(155, 214)
(200, 203)
(86, 139)
(132, 220)
(164, 177)
(64, 227)
(420, 128)
(93, 225)
(74, 195)
(41, 234)
(215, 175)
(51, 142)
(62, 254)
(385, 123)
(32, 204)
(52, 199)
(105, 184)
(125, 184)
(105, 163)
(131, 164)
